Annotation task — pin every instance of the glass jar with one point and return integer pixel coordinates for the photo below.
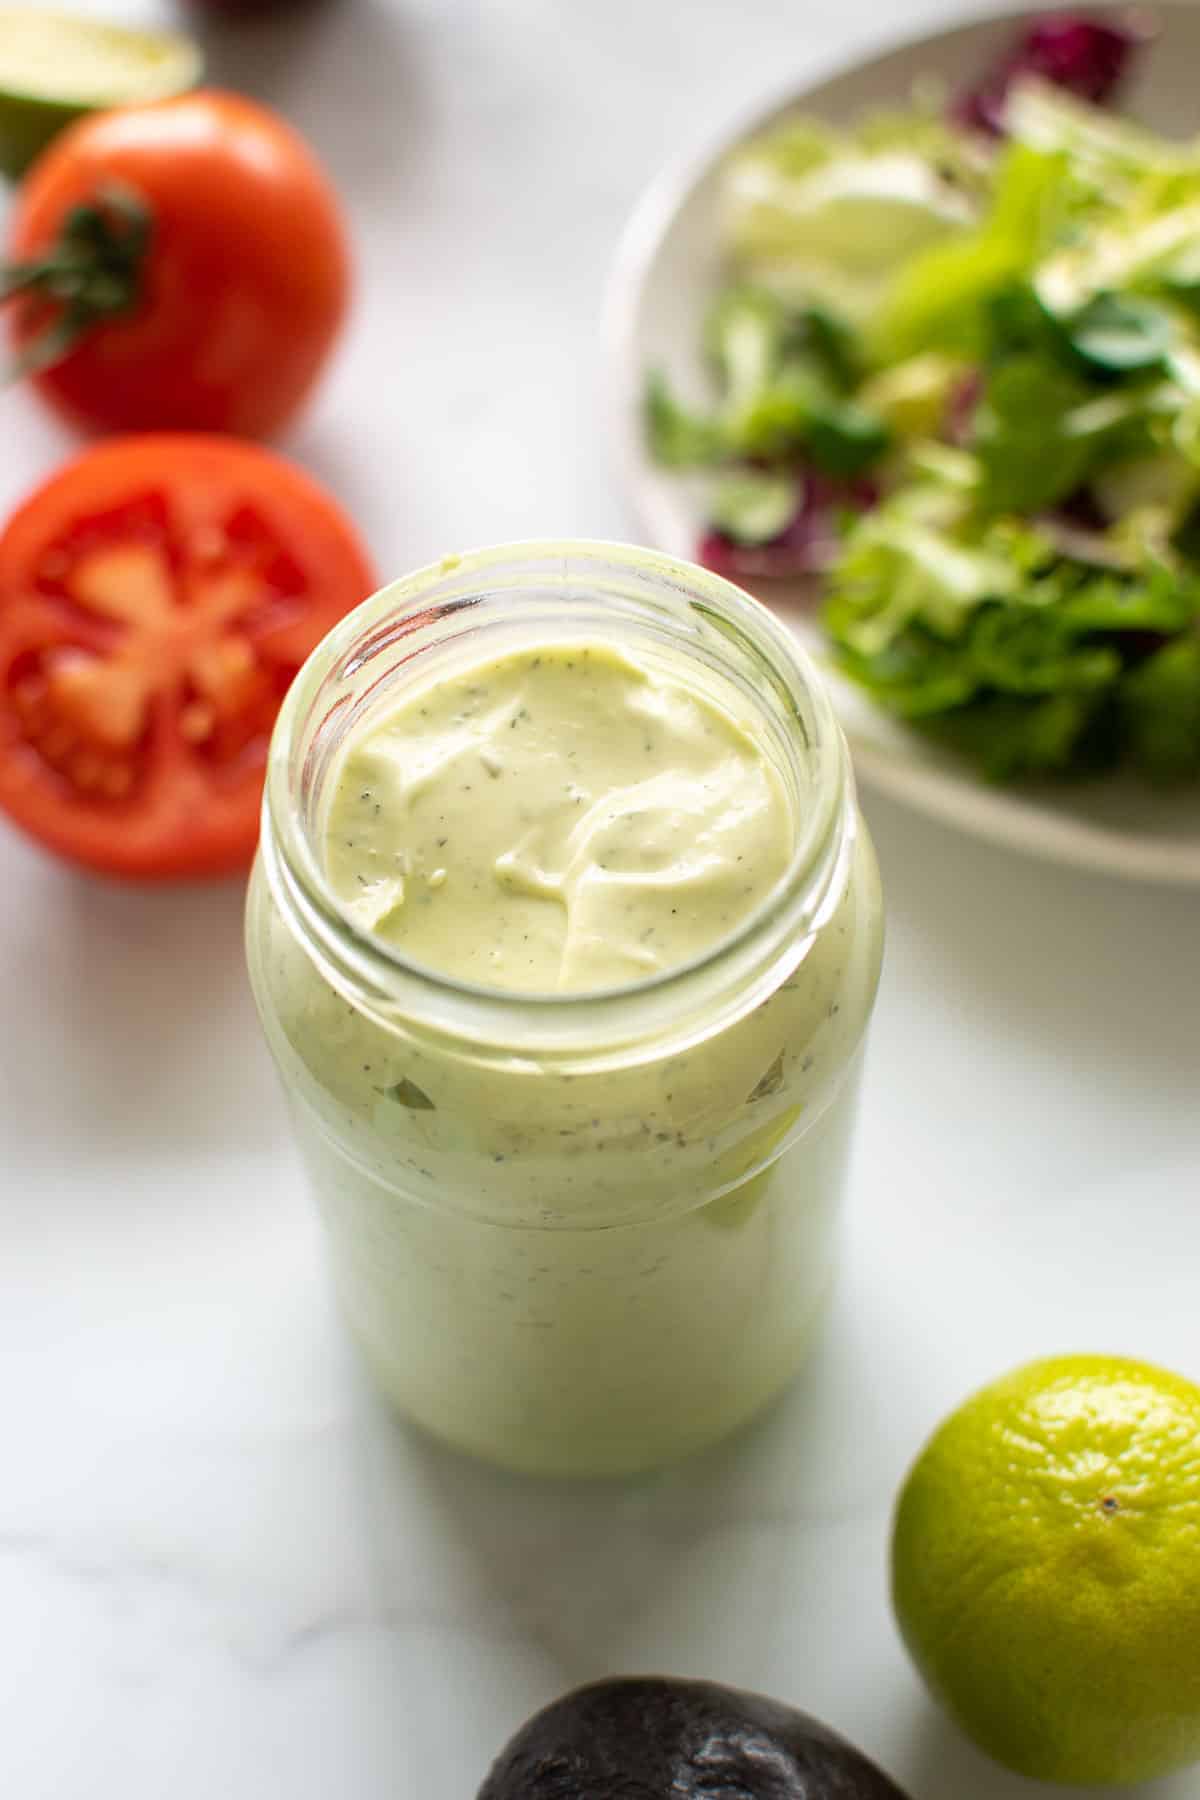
(574, 1234)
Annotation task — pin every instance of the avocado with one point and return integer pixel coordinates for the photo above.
(654, 1738)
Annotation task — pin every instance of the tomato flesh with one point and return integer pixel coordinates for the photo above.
(145, 647)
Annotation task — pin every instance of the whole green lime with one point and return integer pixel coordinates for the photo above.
(1046, 1569)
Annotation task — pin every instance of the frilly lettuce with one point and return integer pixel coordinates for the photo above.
(1029, 661)
(834, 215)
(981, 356)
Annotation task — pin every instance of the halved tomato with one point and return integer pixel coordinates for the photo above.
(157, 596)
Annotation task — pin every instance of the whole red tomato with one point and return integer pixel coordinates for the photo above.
(184, 266)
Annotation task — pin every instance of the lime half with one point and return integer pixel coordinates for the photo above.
(53, 68)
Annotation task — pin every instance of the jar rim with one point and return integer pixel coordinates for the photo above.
(759, 952)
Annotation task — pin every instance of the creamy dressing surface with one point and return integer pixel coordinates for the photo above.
(557, 819)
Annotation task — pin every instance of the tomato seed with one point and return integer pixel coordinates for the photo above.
(208, 543)
(196, 721)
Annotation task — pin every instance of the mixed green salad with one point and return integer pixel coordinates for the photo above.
(956, 370)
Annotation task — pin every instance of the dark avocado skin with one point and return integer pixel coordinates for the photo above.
(653, 1738)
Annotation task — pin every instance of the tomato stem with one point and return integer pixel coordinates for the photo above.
(92, 272)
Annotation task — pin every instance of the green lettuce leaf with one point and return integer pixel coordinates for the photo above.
(784, 377)
(753, 506)
(938, 299)
(1160, 711)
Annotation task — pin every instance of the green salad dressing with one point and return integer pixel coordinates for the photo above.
(593, 1253)
(560, 819)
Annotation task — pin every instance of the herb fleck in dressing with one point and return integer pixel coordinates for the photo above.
(561, 820)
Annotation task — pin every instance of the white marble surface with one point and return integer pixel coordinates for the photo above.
(223, 1570)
